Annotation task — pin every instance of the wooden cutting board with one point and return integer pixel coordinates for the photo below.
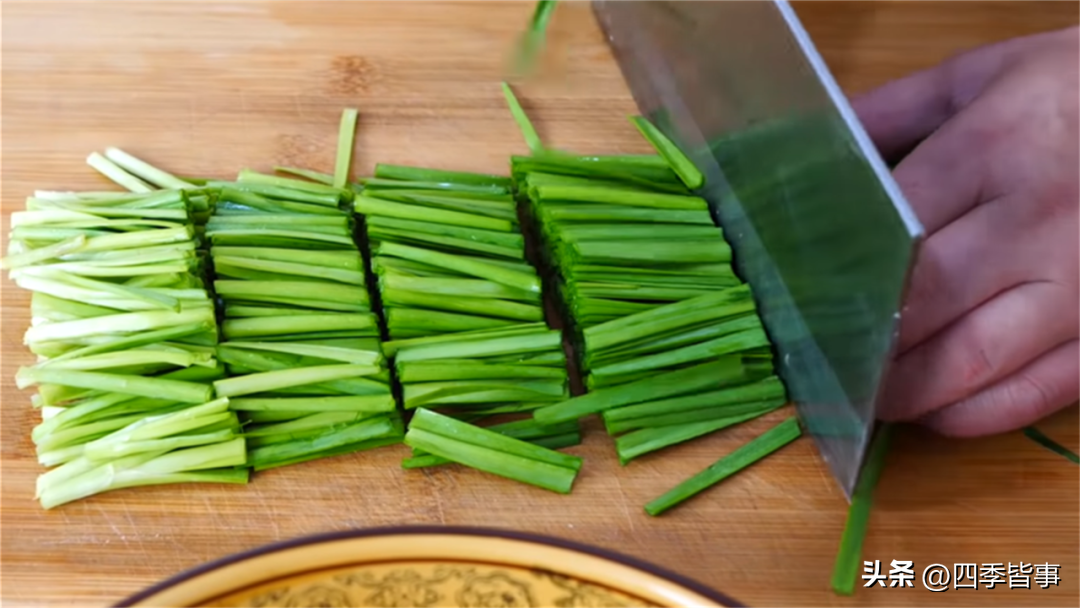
(206, 89)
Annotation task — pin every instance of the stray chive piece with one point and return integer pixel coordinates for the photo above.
(532, 40)
(528, 131)
(346, 135)
(315, 176)
(765, 444)
(1040, 438)
(117, 173)
(680, 164)
(849, 557)
(642, 441)
(699, 377)
(555, 437)
(145, 170)
(492, 452)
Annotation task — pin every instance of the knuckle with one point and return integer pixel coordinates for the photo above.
(1060, 198)
(928, 287)
(927, 279)
(1031, 393)
(977, 363)
(947, 426)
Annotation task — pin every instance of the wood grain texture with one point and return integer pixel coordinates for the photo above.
(205, 89)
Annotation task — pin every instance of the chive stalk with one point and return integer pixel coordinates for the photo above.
(646, 440)
(679, 382)
(532, 40)
(144, 170)
(492, 452)
(346, 134)
(680, 164)
(528, 131)
(1040, 438)
(117, 174)
(315, 176)
(763, 445)
(849, 556)
(420, 174)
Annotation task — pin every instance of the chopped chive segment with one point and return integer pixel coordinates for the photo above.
(117, 174)
(193, 464)
(528, 131)
(470, 266)
(470, 369)
(370, 205)
(421, 174)
(348, 403)
(377, 184)
(706, 414)
(680, 164)
(713, 374)
(331, 353)
(315, 176)
(532, 40)
(462, 288)
(291, 189)
(41, 254)
(434, 422)
(187, 392)
(620, 196)
(763, 445)
(492, 452)
(482, 347)
(144, 170)
(346, 134)
(646, 440)
(274, 380)
(358, 324)
(1040, 438)
(849, 557)
(380, 429)
(551, 442)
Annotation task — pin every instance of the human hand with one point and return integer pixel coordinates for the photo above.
(988, 336)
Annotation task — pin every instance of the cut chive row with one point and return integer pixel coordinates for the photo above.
(125, 332)
(301, 342)
(666, 335)
(464, 311)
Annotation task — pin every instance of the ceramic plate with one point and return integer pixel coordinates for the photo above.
(429, 567)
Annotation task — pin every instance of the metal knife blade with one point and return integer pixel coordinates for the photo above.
(819, 229)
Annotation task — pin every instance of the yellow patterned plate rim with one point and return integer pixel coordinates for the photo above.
(484, 558)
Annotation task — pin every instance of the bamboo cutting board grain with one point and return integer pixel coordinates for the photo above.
(206, 89)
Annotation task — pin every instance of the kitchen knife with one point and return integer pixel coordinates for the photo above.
(819, 229)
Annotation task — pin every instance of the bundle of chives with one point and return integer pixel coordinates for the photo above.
(484, 377)
(493, 452)
(125, 331)
(463, 306)
(448, 252)
(622, 236)
(665, 333)
(483, 373)
(617, 247)
(302, 347)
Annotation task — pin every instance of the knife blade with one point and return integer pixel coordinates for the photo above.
(818, 227)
